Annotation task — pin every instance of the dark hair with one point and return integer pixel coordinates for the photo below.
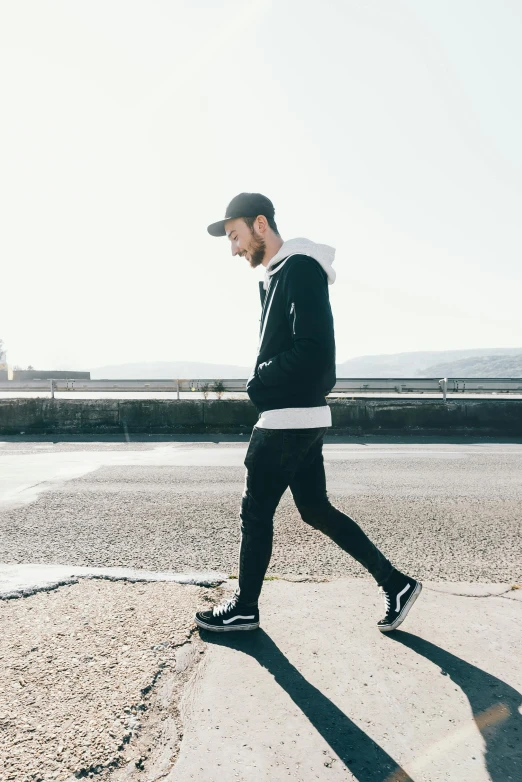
(270, 220)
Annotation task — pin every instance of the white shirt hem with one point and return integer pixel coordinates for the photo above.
(296, 418)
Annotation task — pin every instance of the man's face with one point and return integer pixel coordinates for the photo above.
(246, 243)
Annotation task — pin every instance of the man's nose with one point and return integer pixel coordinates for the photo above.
(235, 250)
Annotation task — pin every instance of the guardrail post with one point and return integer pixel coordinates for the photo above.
(177, 388)
(52, 389)
(444, 385)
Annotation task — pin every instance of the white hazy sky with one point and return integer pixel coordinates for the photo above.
(390, 129)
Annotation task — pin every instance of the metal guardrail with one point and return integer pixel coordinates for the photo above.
(353, 386)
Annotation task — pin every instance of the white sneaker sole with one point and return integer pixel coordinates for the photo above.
(405, 610)
(229, 629)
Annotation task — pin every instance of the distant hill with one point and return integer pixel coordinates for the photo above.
(482, 366)
(414, 364)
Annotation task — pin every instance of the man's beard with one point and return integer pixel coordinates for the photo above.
(257, 251)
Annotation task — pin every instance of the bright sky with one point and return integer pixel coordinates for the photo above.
(389, 129)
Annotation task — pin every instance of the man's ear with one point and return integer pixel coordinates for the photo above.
(261, 224)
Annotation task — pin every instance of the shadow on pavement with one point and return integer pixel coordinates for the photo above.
(495, 706)
(367, 761)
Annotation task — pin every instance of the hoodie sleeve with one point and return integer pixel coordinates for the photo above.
(309, 316)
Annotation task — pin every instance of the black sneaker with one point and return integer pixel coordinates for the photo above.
(400, 593)
(228, 616)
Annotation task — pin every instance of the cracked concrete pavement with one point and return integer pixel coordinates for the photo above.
(104, 676)
(24, 580)
(323, 695)
(110, 679)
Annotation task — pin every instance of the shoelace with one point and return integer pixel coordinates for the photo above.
(223, 608)
(386, 599)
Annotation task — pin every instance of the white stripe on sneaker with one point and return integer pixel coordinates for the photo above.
(227, 621)
(398, 605)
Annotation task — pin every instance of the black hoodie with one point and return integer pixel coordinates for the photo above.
(295, 365)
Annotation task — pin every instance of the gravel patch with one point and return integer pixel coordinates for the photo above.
(79, 666)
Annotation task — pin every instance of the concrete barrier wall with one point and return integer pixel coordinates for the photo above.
(359, 416)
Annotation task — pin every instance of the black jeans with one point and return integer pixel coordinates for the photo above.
(276, 459)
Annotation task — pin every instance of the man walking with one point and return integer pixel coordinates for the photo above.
(293, 374)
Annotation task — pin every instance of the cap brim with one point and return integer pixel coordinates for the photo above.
(217, 229)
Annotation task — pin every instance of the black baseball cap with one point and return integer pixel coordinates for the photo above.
(243, 205)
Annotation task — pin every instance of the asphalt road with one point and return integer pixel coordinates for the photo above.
(442, 511)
